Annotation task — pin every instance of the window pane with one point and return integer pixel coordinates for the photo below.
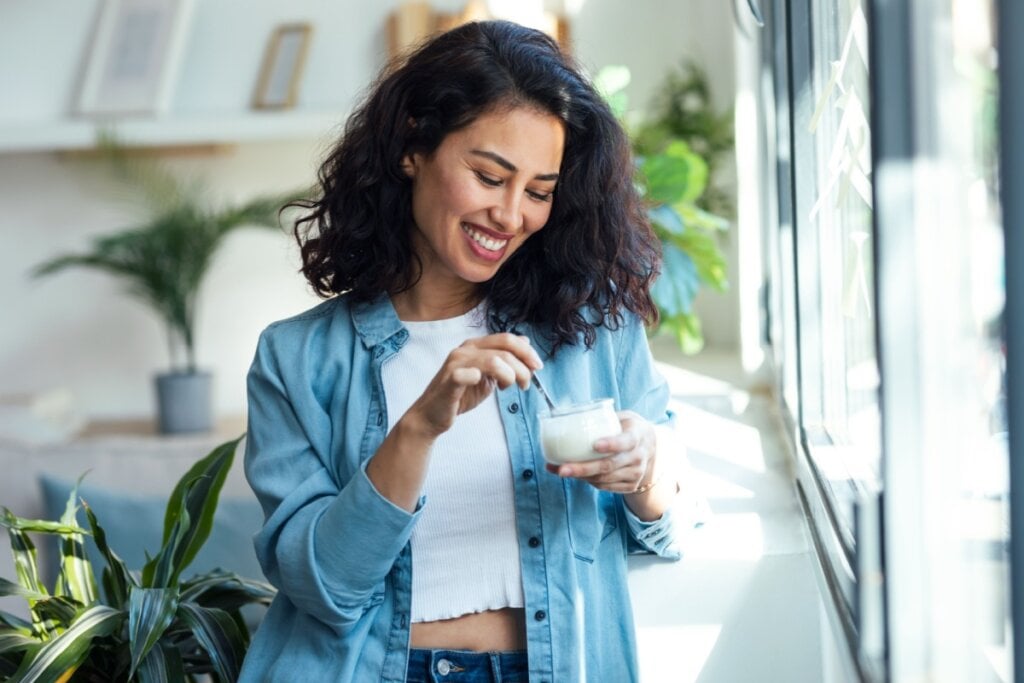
(848, 446)
(965, 87)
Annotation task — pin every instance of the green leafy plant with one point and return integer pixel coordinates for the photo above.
(163, 260)
(682, 110)
(672, 179)
(145, 627)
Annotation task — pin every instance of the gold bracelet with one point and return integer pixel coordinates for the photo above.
(649, 485)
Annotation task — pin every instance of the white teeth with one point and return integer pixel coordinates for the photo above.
(487, 243)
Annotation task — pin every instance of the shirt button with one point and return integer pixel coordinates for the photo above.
(527, 474)
(534, 541)
(540, 615)
(513, 408)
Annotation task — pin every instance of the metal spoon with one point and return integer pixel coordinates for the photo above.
(543, 392)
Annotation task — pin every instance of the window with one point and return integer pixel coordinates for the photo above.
(887, 324)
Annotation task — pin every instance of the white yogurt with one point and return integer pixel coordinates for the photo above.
(568, 434)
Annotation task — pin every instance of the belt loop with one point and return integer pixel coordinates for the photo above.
(496, 666)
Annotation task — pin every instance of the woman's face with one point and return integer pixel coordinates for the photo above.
(483, 192)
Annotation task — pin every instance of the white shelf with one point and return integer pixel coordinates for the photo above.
(169, 131)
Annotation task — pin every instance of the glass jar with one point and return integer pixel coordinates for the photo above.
(568, 433)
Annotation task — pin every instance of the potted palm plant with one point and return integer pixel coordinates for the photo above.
(139, 627)
(162, 262)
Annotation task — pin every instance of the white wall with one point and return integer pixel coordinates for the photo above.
(77, 330)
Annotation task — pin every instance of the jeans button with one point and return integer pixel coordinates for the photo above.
(444, 667)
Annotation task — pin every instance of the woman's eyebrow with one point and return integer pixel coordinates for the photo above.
(508, 165)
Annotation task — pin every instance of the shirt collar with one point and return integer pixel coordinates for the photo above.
(375, 321)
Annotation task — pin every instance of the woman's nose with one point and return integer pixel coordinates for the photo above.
(507, 213)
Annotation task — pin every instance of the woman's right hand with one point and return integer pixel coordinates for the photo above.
(469, 374)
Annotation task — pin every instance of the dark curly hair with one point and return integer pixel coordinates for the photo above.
(597, 256)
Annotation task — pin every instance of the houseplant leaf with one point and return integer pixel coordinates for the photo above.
(218, 635)
(24, 554)
(704, 255)
(678, 283)
(41, 526)
(60, 657)
(150, 612)
(226, 591)
(163, 664)
(56, 612)
(76, 575)
(674, 175)
(116, 578)
(611, 82)
(16, 589)
(160, 571)
(15, 623)
(13, 641)
(196, 494)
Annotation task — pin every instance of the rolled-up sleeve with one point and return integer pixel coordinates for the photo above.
(643, 390)
(326, 547)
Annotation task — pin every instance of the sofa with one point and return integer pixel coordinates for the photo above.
(127, 481)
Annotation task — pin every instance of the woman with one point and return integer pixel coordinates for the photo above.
(478, 224)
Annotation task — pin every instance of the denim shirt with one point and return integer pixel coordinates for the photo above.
(339, 552)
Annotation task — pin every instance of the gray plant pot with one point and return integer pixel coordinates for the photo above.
(183, 402)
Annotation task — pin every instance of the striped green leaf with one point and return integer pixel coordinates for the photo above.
(189, 516)
(60, 657)
(150, 612)
(163, 664)
(14, 622)
(76, 575)
(218, 635)
(9, 588)
(209, 475)
(160, 571)
(15, 641)
(116, 577)
(56, 613)
(24, 553)
(226, 591)
(39, 526)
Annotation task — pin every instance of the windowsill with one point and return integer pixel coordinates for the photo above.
(713, 616)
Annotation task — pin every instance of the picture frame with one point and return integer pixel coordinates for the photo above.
(283, 62)
(134, 57)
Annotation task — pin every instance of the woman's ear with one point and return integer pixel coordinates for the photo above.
(408, 165)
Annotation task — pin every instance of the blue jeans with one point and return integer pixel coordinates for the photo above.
(461, 666)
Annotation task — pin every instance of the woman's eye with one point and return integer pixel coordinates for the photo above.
(488, 180)
(539, 196)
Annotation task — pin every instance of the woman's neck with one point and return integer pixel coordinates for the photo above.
(425, 303)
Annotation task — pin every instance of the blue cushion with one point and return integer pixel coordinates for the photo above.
(134, 524)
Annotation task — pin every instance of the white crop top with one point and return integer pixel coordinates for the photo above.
(465, 549)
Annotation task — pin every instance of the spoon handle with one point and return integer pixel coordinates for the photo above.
(543, 392)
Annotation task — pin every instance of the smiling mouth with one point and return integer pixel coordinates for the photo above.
(488, 243)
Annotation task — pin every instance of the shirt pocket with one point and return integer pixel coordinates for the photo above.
(590, 518)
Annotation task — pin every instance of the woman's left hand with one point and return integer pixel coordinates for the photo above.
(629, 461)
